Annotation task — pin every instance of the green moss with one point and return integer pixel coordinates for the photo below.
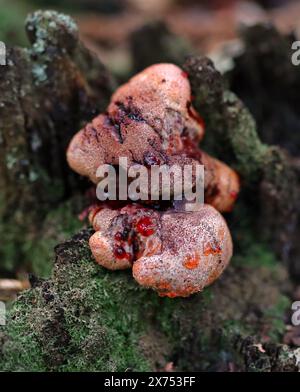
(98, 330)
(231, 328)
(21, 348)
(35, 250)
(86, 318)
(249, 151)
(256, 255)
(59, 225)
(275, 315)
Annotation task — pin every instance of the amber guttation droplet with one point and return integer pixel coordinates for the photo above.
(191, 261)
(145, 226)
(212, 250)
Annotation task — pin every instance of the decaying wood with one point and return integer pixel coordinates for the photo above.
(268, 173)
(47, 92)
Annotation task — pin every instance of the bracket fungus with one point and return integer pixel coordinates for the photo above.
(176, 253)
(151, 121)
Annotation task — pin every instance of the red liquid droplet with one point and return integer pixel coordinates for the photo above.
(118, 236)
(233, 194)
(145, 226)
(184, 74)
(120, 253)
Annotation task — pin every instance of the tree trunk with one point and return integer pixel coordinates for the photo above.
(47, 92)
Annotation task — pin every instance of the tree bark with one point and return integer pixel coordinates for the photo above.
(47, 92)
(268, 173)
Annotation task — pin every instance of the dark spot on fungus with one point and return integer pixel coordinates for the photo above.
(150, 159)
(135, 247)
(194, 115)
(118, 236)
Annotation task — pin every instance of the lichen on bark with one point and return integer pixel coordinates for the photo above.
(47, 91)
(267, 172)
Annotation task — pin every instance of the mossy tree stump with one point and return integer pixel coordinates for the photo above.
(47, 92)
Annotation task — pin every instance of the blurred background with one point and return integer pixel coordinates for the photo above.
(106, 26)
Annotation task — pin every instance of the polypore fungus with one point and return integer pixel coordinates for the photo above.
(151, 121)
(175, 253)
